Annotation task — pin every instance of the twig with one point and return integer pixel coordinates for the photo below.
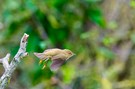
(9, 68)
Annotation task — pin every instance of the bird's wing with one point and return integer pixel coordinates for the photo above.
(57, 61)
(56, 64)
(61, 56)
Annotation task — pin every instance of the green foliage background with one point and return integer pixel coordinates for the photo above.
(78, 25)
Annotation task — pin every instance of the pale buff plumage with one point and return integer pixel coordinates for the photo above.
(58, 56)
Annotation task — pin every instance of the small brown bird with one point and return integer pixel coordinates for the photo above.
(58, 56)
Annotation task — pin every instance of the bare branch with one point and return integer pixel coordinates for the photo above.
(9, 68)
(4, 61)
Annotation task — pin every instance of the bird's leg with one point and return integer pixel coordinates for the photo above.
(44, 66)
(43, 60)
(40, 61)
(47, 59)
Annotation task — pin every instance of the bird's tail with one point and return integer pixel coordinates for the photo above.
(40, 55)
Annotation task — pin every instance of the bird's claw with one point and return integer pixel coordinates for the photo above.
(43, 67)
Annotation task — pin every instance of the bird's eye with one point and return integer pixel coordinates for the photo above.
(69, 53)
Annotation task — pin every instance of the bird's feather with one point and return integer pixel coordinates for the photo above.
(40, 55)
(56, 64)
(59, 56)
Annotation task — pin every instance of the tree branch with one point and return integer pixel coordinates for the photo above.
(9, 68)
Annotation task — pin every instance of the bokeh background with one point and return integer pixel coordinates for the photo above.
(100, 32)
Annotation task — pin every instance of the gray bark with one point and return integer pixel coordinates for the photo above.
(9, 68)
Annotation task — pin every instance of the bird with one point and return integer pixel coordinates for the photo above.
(56, 55)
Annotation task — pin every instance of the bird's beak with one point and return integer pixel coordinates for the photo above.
(73, 54)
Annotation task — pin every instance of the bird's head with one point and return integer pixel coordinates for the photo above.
(69, 53)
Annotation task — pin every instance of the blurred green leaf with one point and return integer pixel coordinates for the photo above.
(105, 52)
(68, 73)
(96, 16)
(132, 3)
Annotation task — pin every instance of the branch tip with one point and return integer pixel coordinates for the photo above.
(9, 68)
(25, 37)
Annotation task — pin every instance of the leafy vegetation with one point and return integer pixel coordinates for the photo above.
(100, 32)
